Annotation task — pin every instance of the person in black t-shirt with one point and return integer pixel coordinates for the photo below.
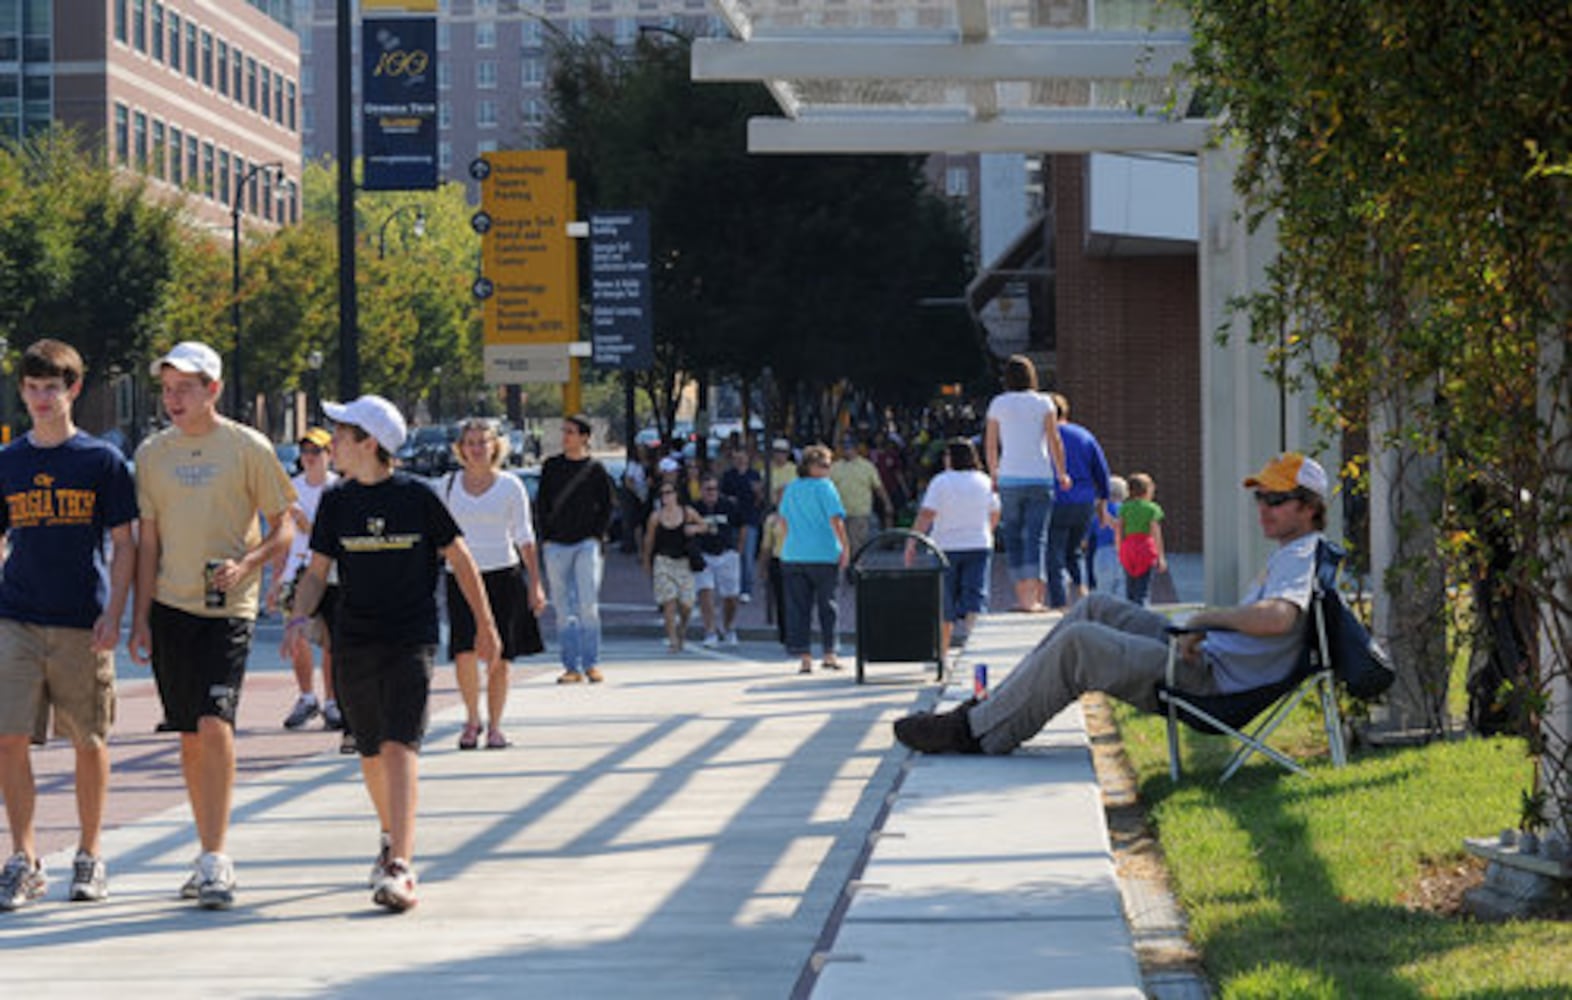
(721, 575)
(572, 513)
(387, 533)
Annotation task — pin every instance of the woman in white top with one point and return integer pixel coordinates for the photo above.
(959, 512)
(315, 477)
(493, 512)
(1024, 452)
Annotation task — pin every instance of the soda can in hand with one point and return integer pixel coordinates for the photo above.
(980, 681)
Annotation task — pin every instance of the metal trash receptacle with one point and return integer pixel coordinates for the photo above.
(899, 579)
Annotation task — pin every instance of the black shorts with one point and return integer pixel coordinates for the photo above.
(383, 689)
(199, 664)
(509, 608)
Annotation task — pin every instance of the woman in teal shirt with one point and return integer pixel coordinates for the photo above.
(813, 556)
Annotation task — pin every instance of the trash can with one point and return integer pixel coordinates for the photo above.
(899, 580)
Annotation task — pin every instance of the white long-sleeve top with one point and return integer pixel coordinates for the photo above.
(495, 523)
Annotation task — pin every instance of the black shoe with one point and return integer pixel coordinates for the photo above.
(950, 732)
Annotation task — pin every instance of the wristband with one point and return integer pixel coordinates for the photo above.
(301, 620)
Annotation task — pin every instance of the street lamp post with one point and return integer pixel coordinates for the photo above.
(419, 227)
(313, 401)
(234, 221)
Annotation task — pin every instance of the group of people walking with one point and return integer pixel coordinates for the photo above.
(357, 549)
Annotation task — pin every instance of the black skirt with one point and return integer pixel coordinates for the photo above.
(509, 599)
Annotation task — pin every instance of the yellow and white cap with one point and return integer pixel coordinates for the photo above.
(1288, 472)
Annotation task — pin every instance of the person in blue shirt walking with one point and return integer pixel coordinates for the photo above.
(1073, 508)
(813, 555)
(61, 602)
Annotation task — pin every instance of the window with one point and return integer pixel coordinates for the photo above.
(579, 29)
(191, 50)
(267, 92)
(486, 114)
(533, 71)
(534, 111)
(207, 169)
(207, 58)
(193, 164)
(157, 37)
(139, 139)
(485, 34)
(289, 104)
(278, 98)
(251, 83)
(444, 74)
(240, 180)
(120, 20)
(485, 146)
(444, 36)
(308, 80)
(122, 133)
(267, 194)
(445, 114)
(160, 151)
(626, 31)
(139, 25)
(239, 91)
(308, 119)
(444, 155)
(223, 67)
(531, 33)
(957, 182)
(223, 176)
(486, 75)
(177, 168)
(174, 40)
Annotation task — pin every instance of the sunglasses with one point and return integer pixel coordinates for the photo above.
(1275, 499)
(310, 449)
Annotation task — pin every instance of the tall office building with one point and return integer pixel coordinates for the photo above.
(492, 66)
(197, 93)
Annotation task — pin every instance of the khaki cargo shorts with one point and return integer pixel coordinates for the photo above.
(44, 667)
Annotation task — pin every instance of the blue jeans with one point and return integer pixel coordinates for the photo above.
(1066, 530)
(966, 582)
(750, 552)
(809, 586)
(1023, 521)
(573, 573)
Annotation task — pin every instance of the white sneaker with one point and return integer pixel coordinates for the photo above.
(216, 890)
(22, 882)
(711, 640)
(395, 886)
(89, 879)
(731, 638)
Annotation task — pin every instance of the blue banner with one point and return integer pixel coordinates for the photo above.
(623, 323)
(399, 108)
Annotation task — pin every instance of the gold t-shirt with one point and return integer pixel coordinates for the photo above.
(204, 493)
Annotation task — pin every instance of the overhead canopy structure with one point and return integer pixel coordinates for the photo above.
(975, 76)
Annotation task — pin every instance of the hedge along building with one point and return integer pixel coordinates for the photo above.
(1129, 268)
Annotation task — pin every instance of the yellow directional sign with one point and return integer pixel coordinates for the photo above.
(528, 266)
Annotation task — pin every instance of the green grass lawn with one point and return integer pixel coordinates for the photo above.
(1296, 887)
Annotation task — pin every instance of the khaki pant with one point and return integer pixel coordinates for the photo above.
(1102, 644)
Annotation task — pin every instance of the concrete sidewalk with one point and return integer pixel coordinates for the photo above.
(705, 825)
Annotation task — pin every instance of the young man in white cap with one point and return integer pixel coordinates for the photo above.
(201, 484)
(1111, 645)
(61, 598)
(386, 533)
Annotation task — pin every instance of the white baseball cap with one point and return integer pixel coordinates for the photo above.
(192, 357)
(374, 415)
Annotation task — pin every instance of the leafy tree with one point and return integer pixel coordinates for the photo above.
(1415, 158)
(809, 267)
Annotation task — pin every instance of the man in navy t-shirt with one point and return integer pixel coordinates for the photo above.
(61, 603)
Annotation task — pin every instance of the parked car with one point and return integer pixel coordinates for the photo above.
(429, 450)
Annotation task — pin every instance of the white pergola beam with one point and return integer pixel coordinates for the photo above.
(1050, 58)
(892, 134)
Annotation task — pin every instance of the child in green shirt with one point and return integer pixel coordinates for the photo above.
(1140, 538)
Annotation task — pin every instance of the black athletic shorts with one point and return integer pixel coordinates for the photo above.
(509, 598)
(199, 664)
(383, 689)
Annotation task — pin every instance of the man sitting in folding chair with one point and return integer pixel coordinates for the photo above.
(1108, 644)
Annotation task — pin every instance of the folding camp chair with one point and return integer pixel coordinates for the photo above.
(1250, 717)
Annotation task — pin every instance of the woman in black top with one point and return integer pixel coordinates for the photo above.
(666, 536)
